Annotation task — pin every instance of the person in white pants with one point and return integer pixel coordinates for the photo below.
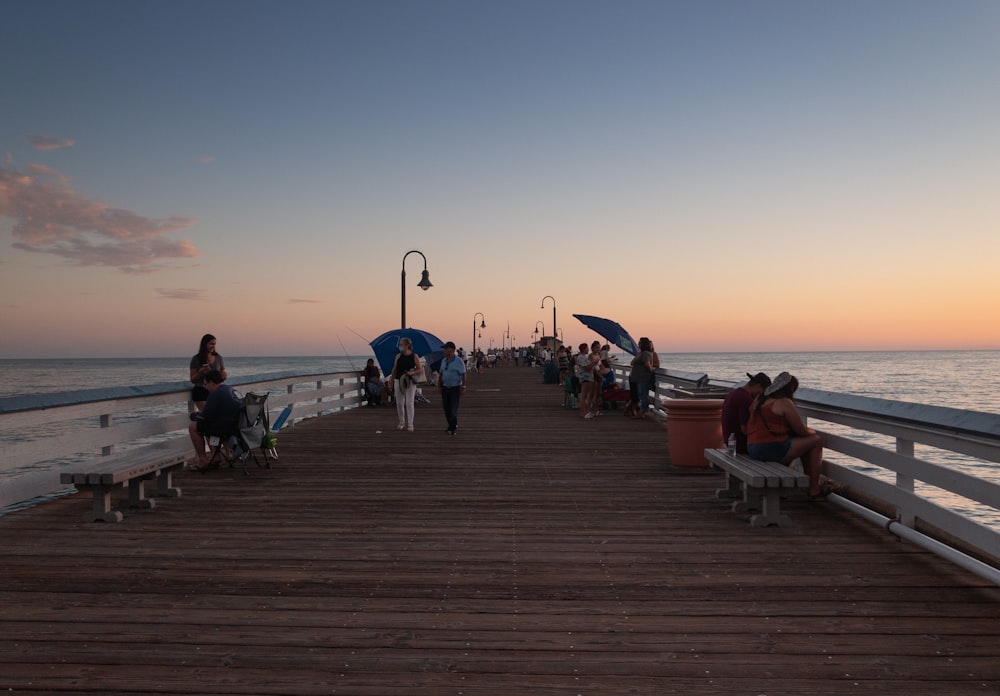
(404, 370)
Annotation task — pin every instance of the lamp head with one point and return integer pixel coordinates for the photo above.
(425, 280)
(482, 325)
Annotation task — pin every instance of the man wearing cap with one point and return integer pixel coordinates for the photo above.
(451, 384)
(736, 409)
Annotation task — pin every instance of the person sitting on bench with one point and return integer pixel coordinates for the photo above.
(776, 432)
(218, 418)
(736, 409)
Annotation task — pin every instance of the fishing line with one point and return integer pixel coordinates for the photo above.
(345, 353)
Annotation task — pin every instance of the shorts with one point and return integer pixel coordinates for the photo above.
(770, 451)
(199, 393)
(206, 429)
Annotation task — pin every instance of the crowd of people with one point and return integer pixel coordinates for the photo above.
(759, 418)
(589, 380)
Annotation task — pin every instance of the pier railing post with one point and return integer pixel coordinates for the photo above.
(106, 423)
(904, 481)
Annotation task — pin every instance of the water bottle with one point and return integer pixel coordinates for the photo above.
(731, 447)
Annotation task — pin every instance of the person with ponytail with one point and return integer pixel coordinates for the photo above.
(776, 433)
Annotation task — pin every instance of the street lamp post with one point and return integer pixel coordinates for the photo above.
(481, 326)
(549, 297)
(424, 284)
(536, 329)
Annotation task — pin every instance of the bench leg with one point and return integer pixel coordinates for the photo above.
(771, 511)
(732, 491)
(100, 509)
(753, 501)
(165, 483)
(137, 494)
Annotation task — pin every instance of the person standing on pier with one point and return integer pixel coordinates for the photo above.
(585, 373)
(640, 380)
(452, 385)
(201, 364)
(404, 370)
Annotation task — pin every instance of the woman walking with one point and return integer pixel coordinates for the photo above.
(404, 370)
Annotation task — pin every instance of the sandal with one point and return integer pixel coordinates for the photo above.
(825, 489)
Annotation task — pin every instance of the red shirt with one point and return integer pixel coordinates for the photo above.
(768, 426)
(736, 413)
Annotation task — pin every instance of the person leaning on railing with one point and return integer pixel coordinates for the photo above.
(776, 432)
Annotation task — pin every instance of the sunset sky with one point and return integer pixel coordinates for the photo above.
(717, 175)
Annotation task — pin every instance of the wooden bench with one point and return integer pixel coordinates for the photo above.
(757, 486)
(131, 470)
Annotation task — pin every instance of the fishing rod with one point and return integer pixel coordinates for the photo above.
(358, 335)
(343, 348)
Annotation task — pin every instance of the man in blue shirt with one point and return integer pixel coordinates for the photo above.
(451, 384)
(218, 418)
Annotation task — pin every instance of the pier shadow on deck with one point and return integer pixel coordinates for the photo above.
(534, 553)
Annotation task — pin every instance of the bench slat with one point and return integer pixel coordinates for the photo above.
(763, 473)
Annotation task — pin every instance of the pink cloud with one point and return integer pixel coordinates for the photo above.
(45, 142)
(296, 300)
(207, 159)
(51, 218)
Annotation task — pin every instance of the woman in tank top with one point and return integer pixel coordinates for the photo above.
(406, 367)
(776, 433)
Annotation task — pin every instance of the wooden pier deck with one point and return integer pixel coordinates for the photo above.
(535, 553)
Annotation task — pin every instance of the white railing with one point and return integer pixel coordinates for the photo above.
(878, 441)
(39, 434)
(920, 492)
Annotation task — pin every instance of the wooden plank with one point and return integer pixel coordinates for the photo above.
(535, 552)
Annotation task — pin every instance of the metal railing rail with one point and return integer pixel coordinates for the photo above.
(967, 433)
(42, 432)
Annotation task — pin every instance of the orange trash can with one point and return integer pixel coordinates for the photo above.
(692, 426)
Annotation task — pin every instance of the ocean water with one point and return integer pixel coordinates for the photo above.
(958, 379)
(967, 380)
(45, 376)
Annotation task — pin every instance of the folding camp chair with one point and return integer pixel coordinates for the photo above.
(254, 431)
(224, 443)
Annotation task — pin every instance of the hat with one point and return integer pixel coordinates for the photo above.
(760, 378)
(779, 383)
(449, 344)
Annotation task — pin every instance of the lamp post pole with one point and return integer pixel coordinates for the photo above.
(549, 297)
(481, 326)
(424, 284)
(543, 328)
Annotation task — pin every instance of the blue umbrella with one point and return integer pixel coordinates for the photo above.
(428, 346)
(612, 331)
